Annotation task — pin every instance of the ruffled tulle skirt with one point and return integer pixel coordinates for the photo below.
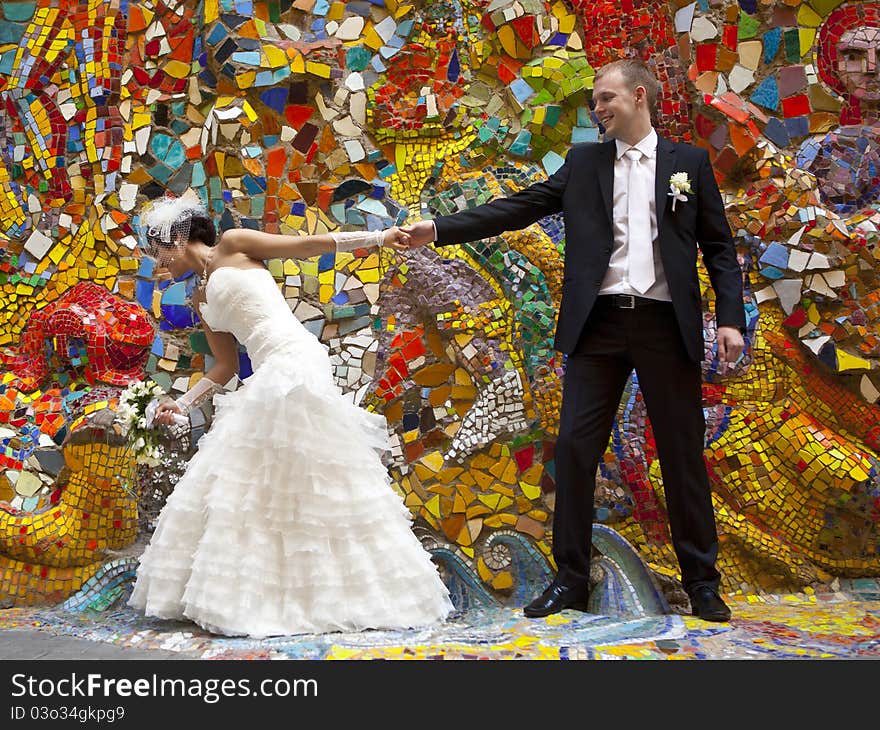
(285, 521)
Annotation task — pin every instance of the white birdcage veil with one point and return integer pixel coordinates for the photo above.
(166, 221)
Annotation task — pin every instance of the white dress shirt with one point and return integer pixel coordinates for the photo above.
(616, 279)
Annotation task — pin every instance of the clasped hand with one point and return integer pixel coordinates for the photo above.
(397, 238)
(166, 411)
(406, 238)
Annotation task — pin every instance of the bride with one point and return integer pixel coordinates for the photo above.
(285, 521)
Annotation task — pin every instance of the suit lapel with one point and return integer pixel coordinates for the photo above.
(665, 167)
(606, 176)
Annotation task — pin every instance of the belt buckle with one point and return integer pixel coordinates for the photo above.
(629, 299)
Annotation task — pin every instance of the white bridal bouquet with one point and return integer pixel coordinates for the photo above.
(136, 410)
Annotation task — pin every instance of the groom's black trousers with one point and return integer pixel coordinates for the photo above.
(613, 342)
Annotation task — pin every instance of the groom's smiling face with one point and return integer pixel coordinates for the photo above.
(619, 108)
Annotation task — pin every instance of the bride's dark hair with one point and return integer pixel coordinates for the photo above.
(169, 220)
(202, 229)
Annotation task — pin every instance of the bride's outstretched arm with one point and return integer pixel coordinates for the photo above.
(262, 246)
(224, 348)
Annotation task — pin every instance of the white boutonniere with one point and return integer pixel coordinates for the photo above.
(679, 184)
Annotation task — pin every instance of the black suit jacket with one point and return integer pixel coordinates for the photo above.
(582, 190)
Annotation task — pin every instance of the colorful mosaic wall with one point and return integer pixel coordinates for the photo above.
(308, 116)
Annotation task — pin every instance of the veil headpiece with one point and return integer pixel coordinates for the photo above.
(166, 221)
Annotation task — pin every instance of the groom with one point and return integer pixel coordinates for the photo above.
(630, 300)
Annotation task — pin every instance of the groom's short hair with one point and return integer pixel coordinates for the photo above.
(635, 73)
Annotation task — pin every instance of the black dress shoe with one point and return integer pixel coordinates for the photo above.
(557, 598)
(707, 604)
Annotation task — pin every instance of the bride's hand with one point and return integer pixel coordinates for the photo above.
(396, 239)
(166, 411)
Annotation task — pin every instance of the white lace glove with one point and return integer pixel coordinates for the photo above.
(351, 240)
(199, 393)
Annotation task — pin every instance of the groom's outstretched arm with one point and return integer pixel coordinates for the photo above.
(502, 214)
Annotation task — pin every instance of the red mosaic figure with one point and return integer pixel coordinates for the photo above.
(847, 60)
(116, 336)
(845, 160)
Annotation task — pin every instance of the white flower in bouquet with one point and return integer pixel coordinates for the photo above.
(132, 413)
(151, 456)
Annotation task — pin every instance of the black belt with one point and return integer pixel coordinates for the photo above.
(627, 301)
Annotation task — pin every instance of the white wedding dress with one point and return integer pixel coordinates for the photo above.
(285, 521)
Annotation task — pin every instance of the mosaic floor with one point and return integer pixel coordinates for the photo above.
(827, 626)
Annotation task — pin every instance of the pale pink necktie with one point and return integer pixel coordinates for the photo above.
(638, 209)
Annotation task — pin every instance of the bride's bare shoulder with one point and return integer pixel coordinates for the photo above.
(231, 251)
